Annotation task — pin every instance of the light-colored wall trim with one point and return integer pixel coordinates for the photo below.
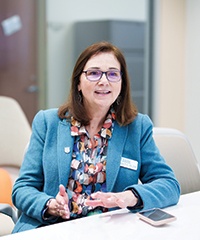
(192, 94)
(176, 68)
(42, 57)
(170, 74)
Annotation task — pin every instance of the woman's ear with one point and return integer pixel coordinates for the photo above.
(80, 96)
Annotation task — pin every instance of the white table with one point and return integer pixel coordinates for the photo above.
(122, 225)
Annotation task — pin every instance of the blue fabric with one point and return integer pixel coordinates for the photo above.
(47, 165)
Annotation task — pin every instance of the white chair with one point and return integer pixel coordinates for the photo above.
(15, 133)
(175, 147)
(8, 218)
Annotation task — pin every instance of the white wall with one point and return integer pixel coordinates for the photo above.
(169, 82)
(177, 74)
(192, 93)
(61, 15)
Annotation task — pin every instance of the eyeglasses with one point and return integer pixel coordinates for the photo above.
(96, 75)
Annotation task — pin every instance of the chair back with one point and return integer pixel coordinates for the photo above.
(15, 132)
(175, 147)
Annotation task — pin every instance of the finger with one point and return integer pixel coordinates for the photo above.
(101, 196)
(62, 196)
(94, 203)
(66, 215)
(117, 201)
(106, 200)
(58, 212)
(63, 209)
(62, 190)
(63, 213)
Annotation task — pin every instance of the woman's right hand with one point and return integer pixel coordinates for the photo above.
(59, 206)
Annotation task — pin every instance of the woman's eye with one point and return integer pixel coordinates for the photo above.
(113, 73)
(93, 73)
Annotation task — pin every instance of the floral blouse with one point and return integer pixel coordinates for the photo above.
(88, 166)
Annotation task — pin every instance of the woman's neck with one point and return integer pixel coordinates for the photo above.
(96, 123)
(94, 126)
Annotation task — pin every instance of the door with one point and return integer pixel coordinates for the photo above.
(18, 53)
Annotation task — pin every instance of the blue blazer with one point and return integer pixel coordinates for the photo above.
(132, 155)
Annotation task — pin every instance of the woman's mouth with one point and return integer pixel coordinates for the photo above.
(103, 92)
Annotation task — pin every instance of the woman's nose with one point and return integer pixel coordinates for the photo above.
(103, 79)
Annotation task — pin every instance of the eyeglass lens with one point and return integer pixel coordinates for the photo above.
(96, 75)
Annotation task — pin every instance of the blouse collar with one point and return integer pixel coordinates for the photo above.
(105, 132)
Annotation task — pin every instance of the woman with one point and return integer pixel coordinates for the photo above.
(87, 156)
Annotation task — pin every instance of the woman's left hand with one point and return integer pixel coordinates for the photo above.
(110, 200)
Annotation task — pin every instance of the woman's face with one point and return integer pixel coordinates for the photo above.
(100, 95)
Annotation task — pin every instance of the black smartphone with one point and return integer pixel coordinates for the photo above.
(156, 217)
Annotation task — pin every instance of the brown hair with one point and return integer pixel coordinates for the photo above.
(125, 109)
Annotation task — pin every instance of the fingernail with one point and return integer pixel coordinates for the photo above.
(65, 207)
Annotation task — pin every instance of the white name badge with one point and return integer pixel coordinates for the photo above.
(129, 163)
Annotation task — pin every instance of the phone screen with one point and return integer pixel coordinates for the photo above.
(156, 214)
(156, 217)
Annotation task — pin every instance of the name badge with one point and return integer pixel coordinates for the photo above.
(129, 163)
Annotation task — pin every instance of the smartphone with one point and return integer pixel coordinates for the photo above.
(156, 217)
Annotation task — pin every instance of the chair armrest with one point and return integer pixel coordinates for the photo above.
(9, 211)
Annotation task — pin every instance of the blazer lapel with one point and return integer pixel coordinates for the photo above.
(115, 150)
(65, 149)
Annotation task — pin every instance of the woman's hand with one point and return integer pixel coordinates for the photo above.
(59, 205)
(110, 200)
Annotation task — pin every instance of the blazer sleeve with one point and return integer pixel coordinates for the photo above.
(28, 194)
(159, 186)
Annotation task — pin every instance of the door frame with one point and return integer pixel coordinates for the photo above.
(42, 60)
